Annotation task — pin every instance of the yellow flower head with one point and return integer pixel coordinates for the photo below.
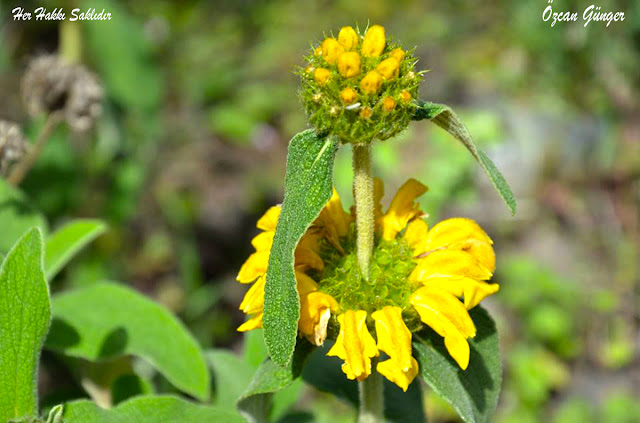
(365, 67)
(374, 41)
(349, 64)
(388, 104)
(348, 38)
(371, 83)
(420, 276)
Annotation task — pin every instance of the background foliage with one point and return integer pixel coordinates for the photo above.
(190, 150)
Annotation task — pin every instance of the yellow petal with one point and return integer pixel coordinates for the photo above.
(446, 315)
(374, 41)
(480, 250)
(394, 338)
(308, 259)
(371, 83)
(333, 220)
(315, 311)
(416, 236)
(473, 291)
(392, 371)
(263, 241)
(349, 64)
(255, 266)
(253, 323)
(305, 284)
(348, 38)
(455, 230)
(403, 208)
(253, 301)
(389, 68)
(354, 345)
(270, 219)
(449, 263)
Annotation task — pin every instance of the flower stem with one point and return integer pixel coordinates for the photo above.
(371, 397)
(363, 195)
(22, 168)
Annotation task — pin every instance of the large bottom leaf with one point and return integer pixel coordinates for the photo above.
(473, 392)
(147, 409)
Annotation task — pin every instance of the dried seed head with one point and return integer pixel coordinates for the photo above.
(13, 146)
(84, 103)
(45, 84)
(50, 85)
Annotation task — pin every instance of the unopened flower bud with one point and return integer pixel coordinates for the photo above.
(398, 54)
(349, 64)
(13, 146)
(84, 103)
(374, 42)
(388, 104)
(406, 96)
(321, 75)
(371, 83)
(331, 50)
(45, 84)
(366, 112)
(348, 96)
(389, 68)
(348, 38)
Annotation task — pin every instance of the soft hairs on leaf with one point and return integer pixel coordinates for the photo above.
(473, 392)
(24, 320)
(308, 187)
(443, 116)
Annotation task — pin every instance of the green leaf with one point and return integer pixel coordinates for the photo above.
(24, 319)
(474, 392)
(128, 386)
(107, 320)
(147, 409)
(443, 116)
(325, 373)
(308, 184)
(17, 216)
(67, 241)
(255, 403)
(231, 376)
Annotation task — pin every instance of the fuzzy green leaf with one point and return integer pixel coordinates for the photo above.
(24, 319)
(325, 373)
(473, 392)
(67, 241)
(308, 184)
(107, 320)
(17, 216)
(443, 116)
(255, 403)
(147, 409)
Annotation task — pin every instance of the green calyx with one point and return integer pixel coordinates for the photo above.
(338, 102)
(391, 264)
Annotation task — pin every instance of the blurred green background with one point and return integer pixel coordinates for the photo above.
(190, 150)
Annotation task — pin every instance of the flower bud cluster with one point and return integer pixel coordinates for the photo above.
(360, 87)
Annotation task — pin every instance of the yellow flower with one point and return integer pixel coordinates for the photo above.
(388, 104)
(405, 96)
(371, 83)
(348, 38)
(349, 64)
(322, 75)
(398, 54)
(389, 68)
(354, 345)
(429, 275)
(394, 338)
(348, 95)
(366, 112)
(331, 50)
(374, 42)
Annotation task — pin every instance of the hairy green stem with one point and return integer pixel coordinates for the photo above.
(363, 196)
(371, 397)
(22, 167)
